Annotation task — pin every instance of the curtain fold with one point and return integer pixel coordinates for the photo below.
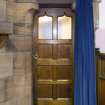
(84, 55)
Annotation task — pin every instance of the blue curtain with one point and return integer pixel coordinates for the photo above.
(84, 55)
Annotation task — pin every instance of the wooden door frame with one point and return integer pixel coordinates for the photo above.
(73, 27)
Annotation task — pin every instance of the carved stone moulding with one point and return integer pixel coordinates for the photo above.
(6, 28)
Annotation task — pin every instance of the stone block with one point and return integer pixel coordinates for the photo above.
(9, 102)
(28, 61)
(10, 93)
(6, 65)
(2, 10)
(19, 72)
(2, 84)
(28, 96)
(19, 61)
(2, 90)
(28, 27)
(23, 95)
(29, 79)
(11, 6)
(19, 80)
(28, 43)
(22, 9)
(19, 28)
(22, 42)
(23, 29)
(2, 95)
(9, 88)
(18, 43)
(6, 28)
(20, 94)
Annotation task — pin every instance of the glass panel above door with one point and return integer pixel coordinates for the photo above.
(45, 27)
(64, 27)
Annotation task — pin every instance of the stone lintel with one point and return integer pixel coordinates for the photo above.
(6, 65)
(6, 28)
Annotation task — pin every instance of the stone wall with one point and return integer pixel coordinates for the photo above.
(15, 56)
(2, 10)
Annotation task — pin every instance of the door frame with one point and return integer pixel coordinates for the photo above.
(34, 37)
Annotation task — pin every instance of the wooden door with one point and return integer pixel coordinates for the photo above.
(52, 54)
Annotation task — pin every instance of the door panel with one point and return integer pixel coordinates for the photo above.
(44, 91)
(53, 63)
(44, 51)
(64, 91)
(44, 73)
(63, 51)
(64, 72)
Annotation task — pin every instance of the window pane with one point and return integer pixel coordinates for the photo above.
(64, 27)
(45, 27)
